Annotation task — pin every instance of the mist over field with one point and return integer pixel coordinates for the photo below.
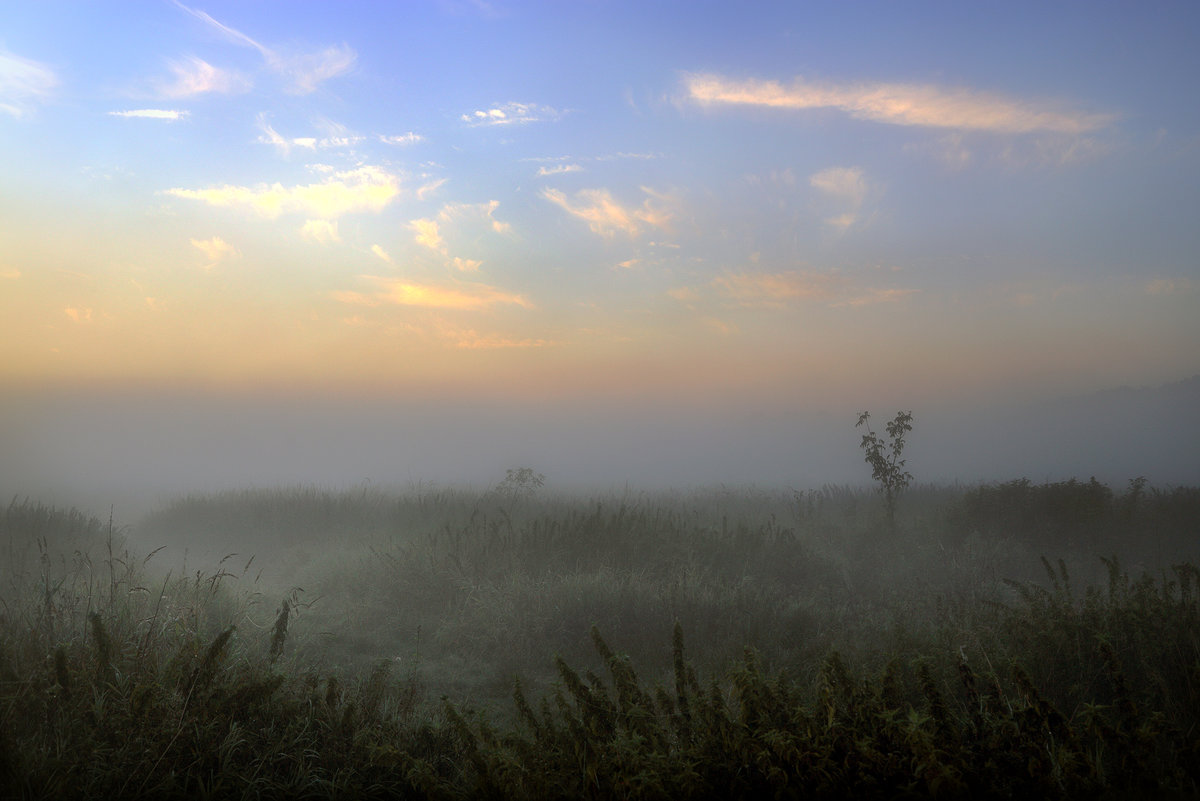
(137, 450)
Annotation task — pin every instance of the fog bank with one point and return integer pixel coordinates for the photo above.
(136, 451)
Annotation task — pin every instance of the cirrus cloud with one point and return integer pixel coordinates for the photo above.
(23, 83)
(304, 70)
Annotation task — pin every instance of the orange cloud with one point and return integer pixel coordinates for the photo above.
(605, 216)
(459, 296)
(899, 104)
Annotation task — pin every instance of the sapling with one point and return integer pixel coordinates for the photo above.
(886, 465)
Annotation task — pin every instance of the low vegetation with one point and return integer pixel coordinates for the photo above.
(991, 642)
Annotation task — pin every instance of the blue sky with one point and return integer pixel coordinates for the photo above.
(790, 205)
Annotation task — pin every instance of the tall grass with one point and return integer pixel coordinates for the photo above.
(827, 655)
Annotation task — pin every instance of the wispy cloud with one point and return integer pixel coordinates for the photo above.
(846, 187)
(511, 113)
(338, 136)
(559, 169)
(308, 70)
(775, 289)
(783, 288)
(485, 212)
(150, 114)
(470, 340)
(605, 216)
(429, 188)
(409, 138)
(900, 104)
(11, 273)
(618, 156)
(459, 296)
(842, 182)
(870, 296)
(272, 137)
(215, 249)
(78, 316)
(957, 150)
(381, 253)
(304, 70)
(684, 294)
(24, 83)
(195, 76)
(1053, 151)
(1167, 286)
(429, 231)
(950, 149)
(427, 234)
(323, 232)
(360, 190)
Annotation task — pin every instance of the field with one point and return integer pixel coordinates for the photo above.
(995, 641)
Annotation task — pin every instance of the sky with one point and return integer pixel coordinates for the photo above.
(464, 219)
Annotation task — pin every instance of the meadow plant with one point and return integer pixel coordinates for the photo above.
(936, 662)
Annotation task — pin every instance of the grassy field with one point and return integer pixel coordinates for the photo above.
(733, 642)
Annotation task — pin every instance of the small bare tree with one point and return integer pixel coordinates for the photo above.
(884, 457)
